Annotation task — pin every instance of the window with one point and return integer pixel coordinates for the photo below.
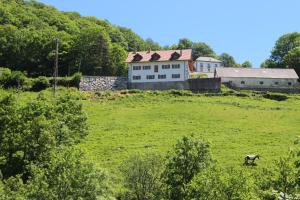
(176, 66)
(261, 82)
(208, 68)
(201, 65)
(208, 65)
(216, 65)
(150, 77)
(175, 75)
(243, 82)
(136, 68)
(162, 76)
(136, 77)
(289, 83)
(201, 69)
(165, 66)
(147, 67)
(276, 83)
(156, 68)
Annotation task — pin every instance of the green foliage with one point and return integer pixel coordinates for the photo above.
(286, 176)
(214, 184)
(14, 79)
(247, 64)
(41, 83)
(28, 132)
(66, 176)
(189, 157)
(199, 48)
(227, 60)
(87, 44)
(276, 97)
(285, 53)
(142, 177)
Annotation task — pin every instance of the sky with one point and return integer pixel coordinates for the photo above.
(246, 29)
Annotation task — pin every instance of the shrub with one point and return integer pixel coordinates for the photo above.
(142, 177)
(15, 79)
(276, 97)
(190, 156)
(75, 80)
(40, 83)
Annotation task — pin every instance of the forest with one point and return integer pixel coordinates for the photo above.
(29, 29)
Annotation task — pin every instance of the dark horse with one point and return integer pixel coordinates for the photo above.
(252, 158)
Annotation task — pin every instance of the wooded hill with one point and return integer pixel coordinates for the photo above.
(28, 30)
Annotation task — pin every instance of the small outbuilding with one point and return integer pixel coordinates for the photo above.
(259, 79)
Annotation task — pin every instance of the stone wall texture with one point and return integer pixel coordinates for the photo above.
(103, 83)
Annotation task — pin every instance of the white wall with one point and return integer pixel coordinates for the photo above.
(183, 71)
(267, 82)
(213, 66)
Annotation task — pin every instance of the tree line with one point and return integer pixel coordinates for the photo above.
(29, 29)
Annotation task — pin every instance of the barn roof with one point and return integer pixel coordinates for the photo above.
(164, 55)
(255, 73)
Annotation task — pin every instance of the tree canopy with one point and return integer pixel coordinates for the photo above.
(285, 53)
(93, 46)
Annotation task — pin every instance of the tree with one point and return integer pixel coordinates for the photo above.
(286, 176)
(142, 177)
(66, 176)
(29, 132)
(292, 59)
(92, 51)
(118, 55)
(286, 53)
(247, 64)
(282, 47)
(202, 49)
(151, 45)
(227, 60)
(198, 48)
(189, 157)
(214, 183)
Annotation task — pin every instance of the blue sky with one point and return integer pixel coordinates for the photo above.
(246, 29)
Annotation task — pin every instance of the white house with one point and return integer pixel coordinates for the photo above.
(206, 65)
(159, 66)
(251, 78)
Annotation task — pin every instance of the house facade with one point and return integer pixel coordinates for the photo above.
(207, 66)
(260, 79)
(168, 69)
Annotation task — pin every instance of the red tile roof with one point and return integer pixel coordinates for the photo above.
(165, 55)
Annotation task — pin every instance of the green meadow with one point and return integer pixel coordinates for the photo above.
(126, 123)
(235, 126)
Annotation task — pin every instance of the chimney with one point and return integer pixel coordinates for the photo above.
(180, 52)
(134, 51)
(149, 50)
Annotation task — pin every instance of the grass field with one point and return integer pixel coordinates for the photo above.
(124, 124)
(235, 126)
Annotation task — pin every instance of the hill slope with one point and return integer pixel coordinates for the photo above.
(88, 44)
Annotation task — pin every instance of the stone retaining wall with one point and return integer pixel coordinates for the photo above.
(102, 83)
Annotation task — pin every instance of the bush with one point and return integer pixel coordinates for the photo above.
(41, 83)
(181, 92)
(75, 80)
(142, 177)
(276, 97)
(15, 79)
(189, 157)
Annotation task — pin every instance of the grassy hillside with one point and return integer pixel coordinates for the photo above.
(124, 124)
(235, 126)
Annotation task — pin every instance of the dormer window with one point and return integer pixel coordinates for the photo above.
(175, 56)
(155, 57)
(137, 57)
